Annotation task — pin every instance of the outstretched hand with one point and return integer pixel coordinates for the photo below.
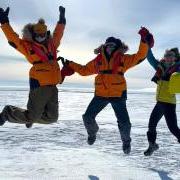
(62, 10)
(146, 36)
(62, 19)
(66, 71)
(143, 31)
(65, 62)
(4, 15)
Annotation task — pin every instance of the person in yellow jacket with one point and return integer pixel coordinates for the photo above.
(166, 102)
(40, 49)
(110, 66)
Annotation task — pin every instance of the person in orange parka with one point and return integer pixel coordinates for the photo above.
(40, 49)
(110, 66)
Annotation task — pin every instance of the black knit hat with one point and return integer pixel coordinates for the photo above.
(114, 40)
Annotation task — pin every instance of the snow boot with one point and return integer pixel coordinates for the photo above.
(126, 147)
(2, 121)
(91, 139)
(29, 125)
(152, 147)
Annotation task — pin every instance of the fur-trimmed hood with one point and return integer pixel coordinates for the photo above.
(123, 48)
(28, 30)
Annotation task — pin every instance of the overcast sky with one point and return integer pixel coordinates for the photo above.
(89, 23)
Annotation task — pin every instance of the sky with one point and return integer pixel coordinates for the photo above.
(89, 23)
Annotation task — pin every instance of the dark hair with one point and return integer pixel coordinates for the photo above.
(176, 51)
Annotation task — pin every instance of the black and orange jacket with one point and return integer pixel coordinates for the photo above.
(45, 73)
(110, 80)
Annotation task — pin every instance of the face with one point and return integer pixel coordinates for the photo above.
(110, 47)
(40, 37)
(170, 56)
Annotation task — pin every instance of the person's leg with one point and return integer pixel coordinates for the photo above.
(124, 125)
(95, 106)
(37, 102)
(38, 99)
(14, 115)
(51, 112)
(42, 108)
(155, 117)
(171, 119)
(2, 120)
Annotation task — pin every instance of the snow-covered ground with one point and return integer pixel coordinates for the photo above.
(59, 151)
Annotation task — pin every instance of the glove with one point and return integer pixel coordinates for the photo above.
(155, 79)
(150, 40)
(146, 36)
(4, 16)
(62, 19)
(65, 62)
(66, 71)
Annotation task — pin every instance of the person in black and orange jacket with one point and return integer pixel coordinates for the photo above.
(110, 65)
(40, 49)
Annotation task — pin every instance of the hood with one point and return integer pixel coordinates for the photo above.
(27, 32)
(123, 48)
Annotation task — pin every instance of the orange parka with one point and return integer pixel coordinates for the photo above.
(110, 80)
(46, 73)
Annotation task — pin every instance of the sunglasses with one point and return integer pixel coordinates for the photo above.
(169, 55)
(111, 45)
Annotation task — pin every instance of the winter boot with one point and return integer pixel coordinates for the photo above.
(91, 139)
(152, 147)
(2, 121)
(126, 147)
(29, 125)
(92, 129)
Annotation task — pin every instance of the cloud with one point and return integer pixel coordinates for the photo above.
(8, 59)
(89, 23)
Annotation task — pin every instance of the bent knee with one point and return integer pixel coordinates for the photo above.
(87, 116)
(53, 120)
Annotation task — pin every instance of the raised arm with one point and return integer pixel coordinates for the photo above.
(152, 60)
(134, 59)
(146, 42)
(86, 70)
(59, 29)
(11, 36)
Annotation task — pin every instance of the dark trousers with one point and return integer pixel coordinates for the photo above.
(169, 112)
(119, 106)
(42, 107)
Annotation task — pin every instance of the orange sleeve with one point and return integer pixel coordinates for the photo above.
(13, 38)
(58, 33)
(134, 59)
(86, 70)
